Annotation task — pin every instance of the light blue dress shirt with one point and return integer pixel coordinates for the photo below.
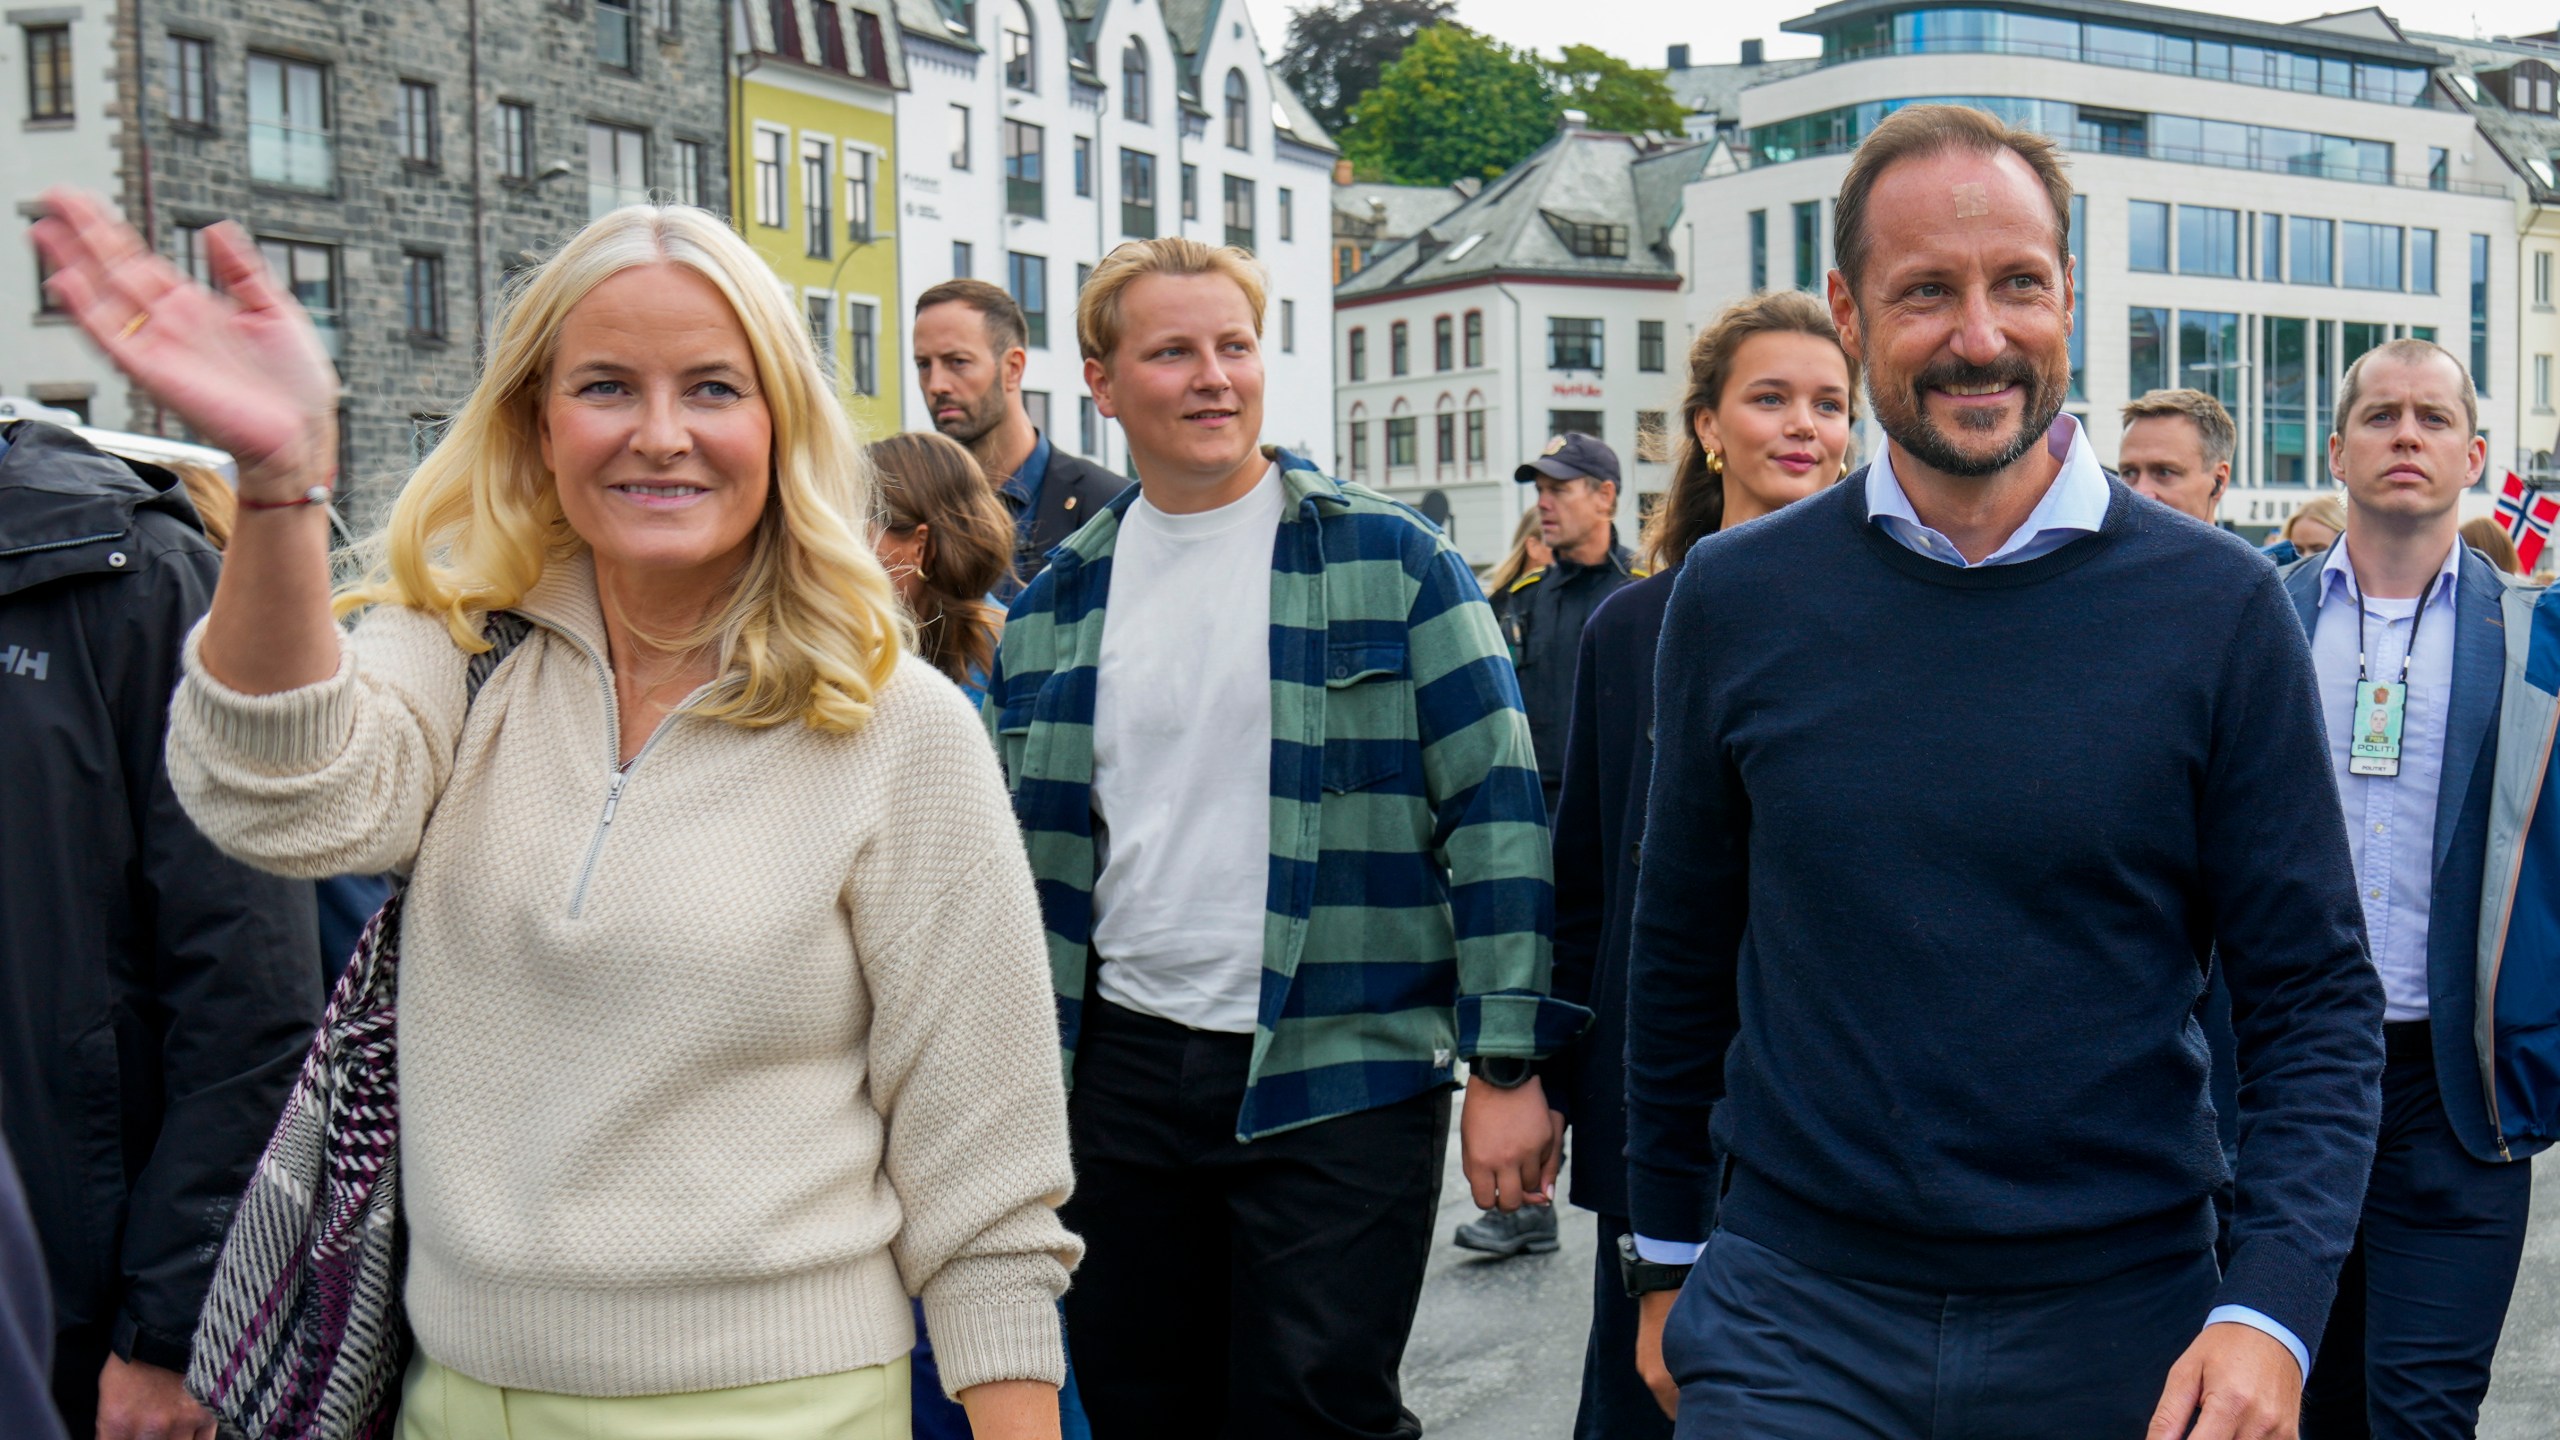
(2075, 504)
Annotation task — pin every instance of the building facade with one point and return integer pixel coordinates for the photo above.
(815, 146)
(1036, 138)
(2257, 204)
(58, 93)
(1551, 301)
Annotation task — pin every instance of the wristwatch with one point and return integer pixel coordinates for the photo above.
(1502, 1072)
(1643, 1277)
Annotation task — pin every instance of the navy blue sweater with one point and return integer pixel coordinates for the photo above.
(1934, 863)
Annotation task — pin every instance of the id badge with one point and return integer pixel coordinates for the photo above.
(2380, 707)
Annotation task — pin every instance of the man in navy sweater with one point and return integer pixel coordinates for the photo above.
(1963, 768)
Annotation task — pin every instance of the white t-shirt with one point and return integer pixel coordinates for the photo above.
(1182, 761)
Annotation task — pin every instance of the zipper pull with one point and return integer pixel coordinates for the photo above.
(613, 794)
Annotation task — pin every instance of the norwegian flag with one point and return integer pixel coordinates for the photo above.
(2528, 516)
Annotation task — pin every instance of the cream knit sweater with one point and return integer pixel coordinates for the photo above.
(696, 1084)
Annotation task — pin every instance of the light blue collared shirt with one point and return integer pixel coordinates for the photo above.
(2074, 505)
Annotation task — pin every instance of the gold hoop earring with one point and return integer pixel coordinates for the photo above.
(1715, 462)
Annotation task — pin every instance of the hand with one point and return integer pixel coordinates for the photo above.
(2236, 1382)
(145, 1402)
(1012, 1410)
(1653, 1310)
(245, 370)
(1507, 1144)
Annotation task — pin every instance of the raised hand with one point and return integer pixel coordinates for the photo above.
(244, 369)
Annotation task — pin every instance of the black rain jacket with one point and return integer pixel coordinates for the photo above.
(155, 995)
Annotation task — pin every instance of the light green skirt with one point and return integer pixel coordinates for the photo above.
(868, 1404)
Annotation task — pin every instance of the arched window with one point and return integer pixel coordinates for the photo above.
(1239, 113)
(1019, 71)
(1133, 81)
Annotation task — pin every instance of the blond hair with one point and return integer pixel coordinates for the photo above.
(1098, 308)
(812, 628)
(2213, 423)
(216, 506)
(2328, 510)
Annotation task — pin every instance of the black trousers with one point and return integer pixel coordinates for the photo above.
(1616, 1405)
(2424, 1293)
(1234, 1290)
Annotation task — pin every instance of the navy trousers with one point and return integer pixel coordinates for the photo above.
(1766, 1347)
(2424, 1293)
(1615, 1403)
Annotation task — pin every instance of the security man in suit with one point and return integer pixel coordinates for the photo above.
(1542, 613)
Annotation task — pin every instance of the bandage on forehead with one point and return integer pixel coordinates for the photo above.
(1971, 200)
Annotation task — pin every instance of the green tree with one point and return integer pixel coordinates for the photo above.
(1615, 94)
(1455, 104)
(1336, 49)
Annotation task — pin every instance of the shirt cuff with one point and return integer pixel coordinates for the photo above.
(2234, 1315)
(1686, 1252)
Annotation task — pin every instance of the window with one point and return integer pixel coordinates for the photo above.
(770, 181)
(1400, 437)
(311, 273)
(1359, 447)
(1573, 344)
(2208, 241)
(1358, 357)
(2076, 245)
(817, 197)
(1758, 224)
(1653, 437)
(2147, 359)
(1084, 166)
(1190, 192)
(688, 179)
(1237, 209)
(822, 326)
(515, 140)
(2209, 356)
(861, 194)
(2480, 312)
(2542, 384)
(617, 167)
(417, 122)
(1133, 82)
(2422, 262)
(1475, 436)
(617, 42)
(1288, 327)
(1027, 277)
(1288, 207)
(1586, 422)
(1399, 348)
(2146, 237)
(963, 264)
(1649, 346)
(2284, 366)
(1444, 439)
(1474, 341)
(960, 151)
(422, 295)
(1590, 239)
(48, 72)
(289, 141)
(2310, 241)
(662, 13)
(2542, 278)
(425, 433)
(2439, 170)
(873, 41)
(1084, 277)
(186, 251)
(190, 80)
(2369, 256)
(1239, 113)
(1088, 426)
(863, 320)
(2270, 246)
(831, 54)
(1808, 216)
(1020, 72)
(1022, 169)
(1035, 403)
(1137, 194)
(1444, 345)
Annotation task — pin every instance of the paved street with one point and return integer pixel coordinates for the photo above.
(1497, 1351)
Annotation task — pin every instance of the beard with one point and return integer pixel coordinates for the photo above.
(977, 416)
(1903, 411)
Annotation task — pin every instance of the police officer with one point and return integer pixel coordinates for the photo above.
(1542, 612)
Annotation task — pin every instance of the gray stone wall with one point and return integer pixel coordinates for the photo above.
(380, 207)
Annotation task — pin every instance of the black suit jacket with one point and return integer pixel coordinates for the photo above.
(1074, 491)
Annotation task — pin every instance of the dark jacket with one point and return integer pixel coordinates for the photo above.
(1599, 835)
(155, 996)
(1073, 491)
(26, 1320)
(1542, 615)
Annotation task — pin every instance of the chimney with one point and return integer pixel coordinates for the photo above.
(1751, 54)
(1679, 57)
(1576, 119)
(1341, 172)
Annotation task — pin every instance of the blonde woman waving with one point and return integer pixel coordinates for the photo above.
(724, 1017)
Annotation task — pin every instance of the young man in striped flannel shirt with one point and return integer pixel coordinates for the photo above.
(1286, 823)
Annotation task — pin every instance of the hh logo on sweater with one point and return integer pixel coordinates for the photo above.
(19, 660)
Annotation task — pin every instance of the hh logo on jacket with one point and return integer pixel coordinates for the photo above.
(19, 660)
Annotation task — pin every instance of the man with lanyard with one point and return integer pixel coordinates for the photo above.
(2409, 648)
(969, 343)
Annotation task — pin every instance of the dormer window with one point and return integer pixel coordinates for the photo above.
(2534, 87)
(1590, 239)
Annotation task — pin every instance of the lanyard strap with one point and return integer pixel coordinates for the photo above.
(2415, 620)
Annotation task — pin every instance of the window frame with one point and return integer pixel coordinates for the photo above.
(515, 140)
(817, 196)
(421, 125)
(52, 94)
(1238, 100)
(1137, 102)
(189, 100)
(1035, 308)
(627, 28)
(415, 266)
(320, 134)
(769, 149)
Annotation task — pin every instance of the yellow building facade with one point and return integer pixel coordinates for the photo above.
(814, 177)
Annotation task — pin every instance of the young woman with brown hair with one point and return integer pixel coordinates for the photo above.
(947, 543)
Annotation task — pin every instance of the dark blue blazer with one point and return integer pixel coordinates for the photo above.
(2462, 832)
(1599, 825)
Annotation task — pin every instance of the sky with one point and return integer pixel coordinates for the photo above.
(1714, 30)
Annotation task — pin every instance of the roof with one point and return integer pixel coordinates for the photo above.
(2151, 17)
(926, 18)
(2523, 139)
(1291, 117)
(761, 37)
(1400, 210)
(1517, 224)
(1717, 89)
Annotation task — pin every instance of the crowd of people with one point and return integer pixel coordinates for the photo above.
(1006, 967)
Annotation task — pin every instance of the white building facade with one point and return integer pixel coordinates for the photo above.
(2256, 206)
(1034, 139)
(58, 87)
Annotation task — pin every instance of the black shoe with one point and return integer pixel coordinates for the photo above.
(1531, 1229)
